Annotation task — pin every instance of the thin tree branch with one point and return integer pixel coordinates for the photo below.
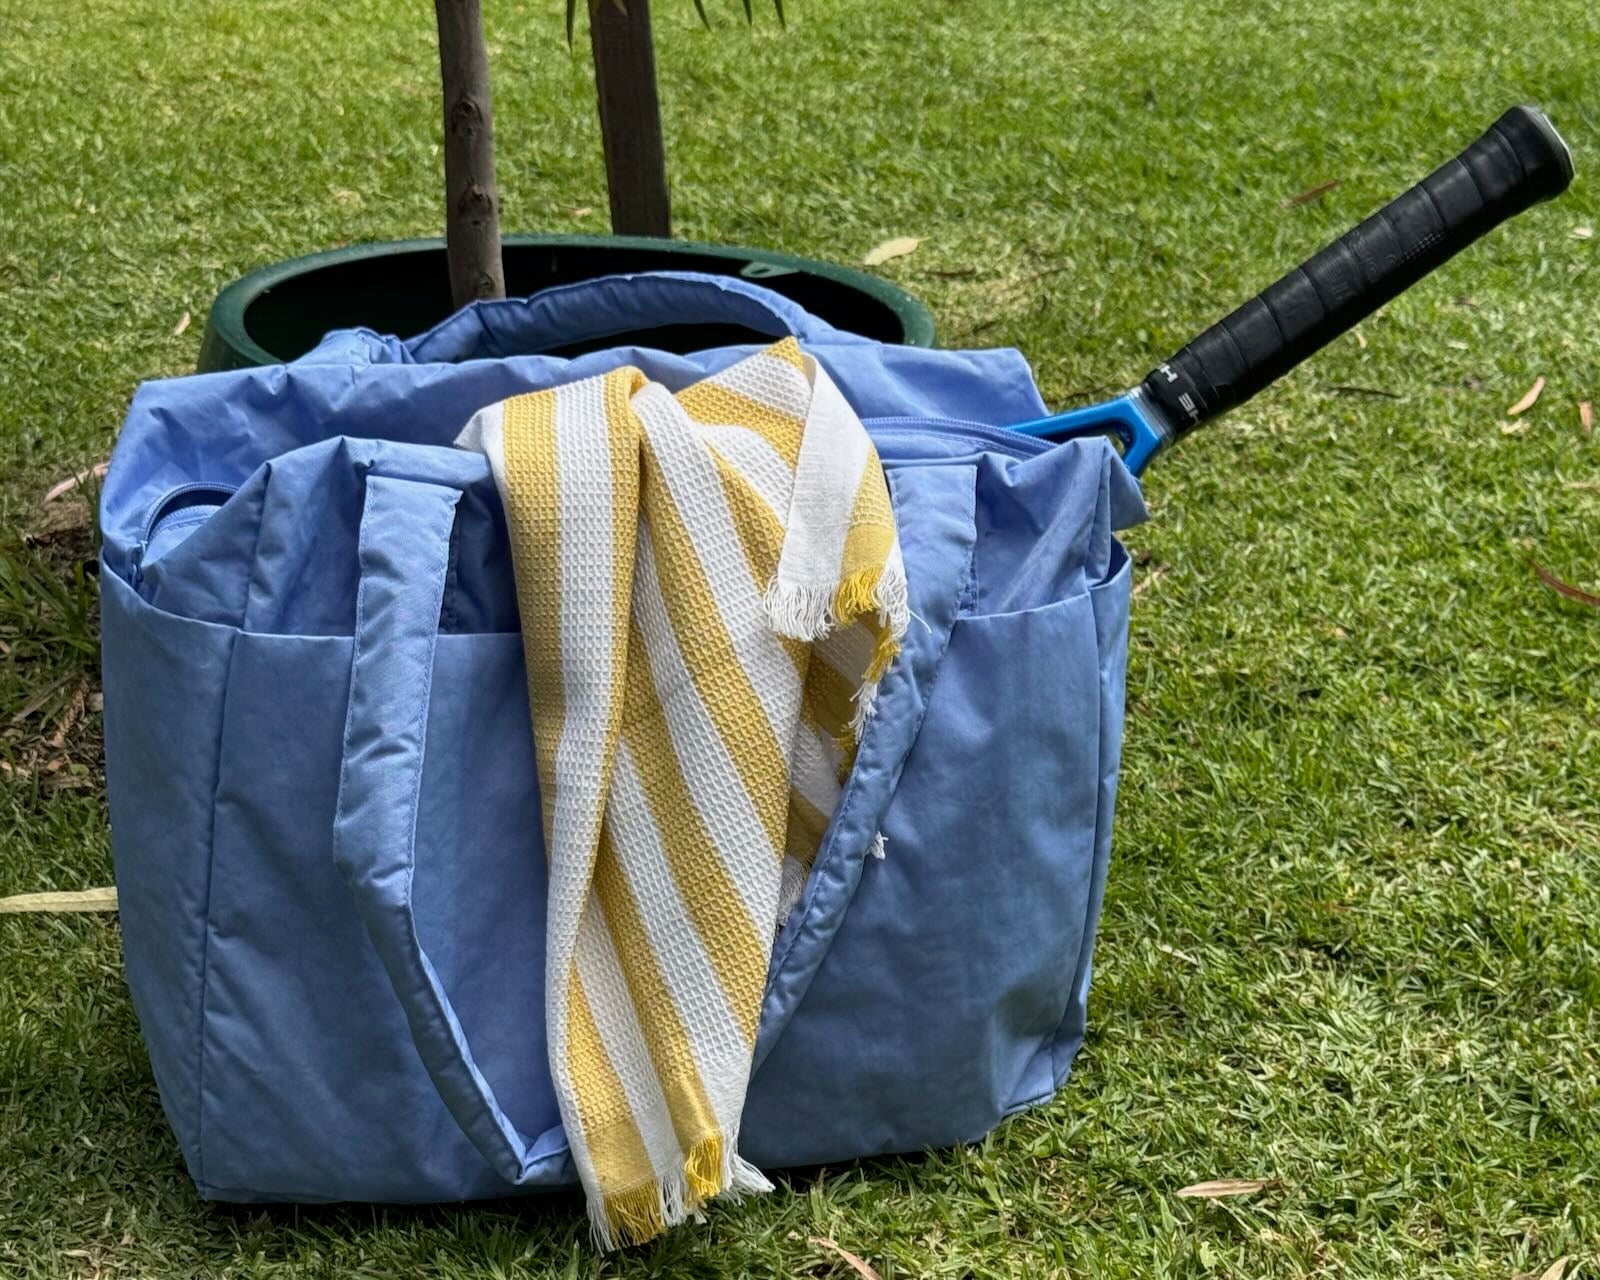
(472, 204)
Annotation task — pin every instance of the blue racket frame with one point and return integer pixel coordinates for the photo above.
(1133, 419)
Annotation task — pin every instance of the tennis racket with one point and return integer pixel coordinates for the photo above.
(1520, 160)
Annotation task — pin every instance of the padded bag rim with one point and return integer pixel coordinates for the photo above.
(587, 310)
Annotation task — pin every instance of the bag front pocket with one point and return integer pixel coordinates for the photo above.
(376, 796)
(951, 992)
(165, 680)
(954, 964)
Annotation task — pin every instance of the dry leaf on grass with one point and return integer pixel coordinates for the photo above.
(583, 211)
(1565, 588)
(860, 1267)
(1529, 398)
(1149, 580)
(68, 782)
(1558, 1268)
(183, 323)
(1361, 338)
(1586, 419)
(1165, 950)
(896, 248)
(1513, 428)
(72, 482)
(1582, 233)
(1311, 193)
(70, 716)
(79, 900)
(1223, 1188)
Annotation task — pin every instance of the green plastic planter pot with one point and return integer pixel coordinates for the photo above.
(403, 287)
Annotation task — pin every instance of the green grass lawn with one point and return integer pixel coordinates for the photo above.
(1349, 941)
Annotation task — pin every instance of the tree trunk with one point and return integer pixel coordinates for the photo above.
(630, 117)
(472, 205)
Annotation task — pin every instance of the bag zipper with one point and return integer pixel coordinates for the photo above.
(983, 437)
(162, 509)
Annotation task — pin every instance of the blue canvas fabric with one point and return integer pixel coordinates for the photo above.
(322, 788)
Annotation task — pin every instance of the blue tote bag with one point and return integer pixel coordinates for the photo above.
(326, 825)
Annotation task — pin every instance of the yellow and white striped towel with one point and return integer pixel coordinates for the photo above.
(710, 586)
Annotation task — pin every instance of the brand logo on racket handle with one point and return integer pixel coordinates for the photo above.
(1186, 399)
(1173, 389)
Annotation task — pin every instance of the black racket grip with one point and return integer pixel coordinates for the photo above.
(1518, 162)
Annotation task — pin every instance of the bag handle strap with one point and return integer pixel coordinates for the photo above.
(570, 314)
(404, 556)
